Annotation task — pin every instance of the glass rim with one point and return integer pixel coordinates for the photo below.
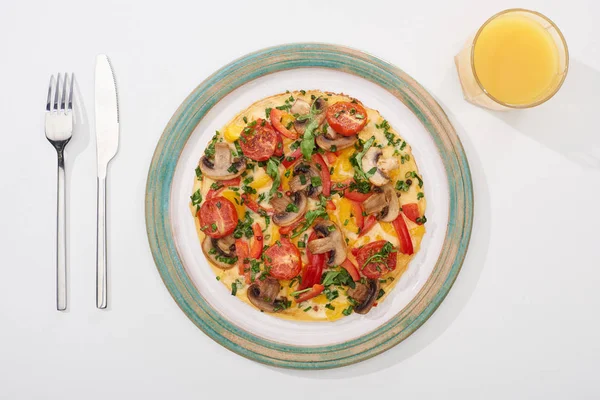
(562, 38)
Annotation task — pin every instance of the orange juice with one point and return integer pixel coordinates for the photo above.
(516, 60)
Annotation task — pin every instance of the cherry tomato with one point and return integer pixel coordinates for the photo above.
(406, 246)
(283, 259)
(258, 142)
(411, 211)
(275, 117)
(375, 269)
(218, 217)
(346, 118)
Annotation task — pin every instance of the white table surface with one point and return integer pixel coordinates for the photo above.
(520, 322)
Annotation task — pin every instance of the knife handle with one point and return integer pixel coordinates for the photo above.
(101, 270)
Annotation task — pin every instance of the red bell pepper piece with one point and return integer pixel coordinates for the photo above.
(251, 204)
(325, 176)
(357, 210)
(406, 246)
(314, 270)
(256, 247)
(242, 251)
(223, 184)
(330, 157)
(286, 230)
(411, 211)
(369, 223)
(330, 206)
(291, 158)
(275, 117)
(313, 292)
(278, 147)
(352, 270)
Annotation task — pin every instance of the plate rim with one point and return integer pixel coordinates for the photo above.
(264, 62)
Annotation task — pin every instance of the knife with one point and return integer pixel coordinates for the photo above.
(107, 142)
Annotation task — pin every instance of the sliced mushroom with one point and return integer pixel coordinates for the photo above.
(286, 215)
(365, 295)
(373, 160)
(339, 143)
(302, 180)
(263, 294)
(222, 167)
(221, 252)
(330, 240)
(302, 108)
(383, 203)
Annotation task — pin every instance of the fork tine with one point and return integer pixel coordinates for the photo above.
(55, 107)
(70, 107)
(63, 97)
(49, 101)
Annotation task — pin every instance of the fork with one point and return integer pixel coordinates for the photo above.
(59, 130)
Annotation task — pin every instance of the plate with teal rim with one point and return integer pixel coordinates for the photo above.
(409, 108)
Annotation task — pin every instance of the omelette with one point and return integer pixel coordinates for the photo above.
(309, 206)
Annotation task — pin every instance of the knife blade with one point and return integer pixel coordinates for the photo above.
(107, 143)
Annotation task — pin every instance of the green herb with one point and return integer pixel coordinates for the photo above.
(360, 186)
(198, 173)
(232, 169)
(273, 171)
(302, 178)
(315, 181)
(291, 208)
(348, 311)
(299, 292)
(346, 222)
(331, 294)
(282, 304)
(402, 186)
(380, 294)
(381, 256)
(218, 278)
(210, 149)
(338, 277)
(413, 174)
(329, 306)
(301, 245)
(356, 159)
(420, 195)
(234, 288)
(309, 218)
(307, 309)
(296, 279)
(303, 92)
(245, 119)
(268, 112)
(421, 220)
(359, 116)
(196, 197)
(308, 140)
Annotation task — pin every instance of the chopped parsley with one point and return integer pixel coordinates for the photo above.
(420, 195)
(196, 198)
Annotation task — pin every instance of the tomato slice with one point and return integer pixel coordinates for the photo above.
(218, 217)
(275, 117)
(251, 204)
(374, 269)
(357, 210)
(324, 172)
(346, 118)
(256, 247)
(352, 270)
(223, 184)
(258, 142)
(411, 211)
(313, 292)
(291, 158)
(369, 223)
(283, 259)
(242, 251)
(406, 246)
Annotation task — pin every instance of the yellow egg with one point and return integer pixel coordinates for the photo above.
(388, 228)
(286, 119)
(232, 132)
(261, 182)
(336, 313)
(344, 213)
(320, 299)
(342, 169)
(419, 230)
(234, 197)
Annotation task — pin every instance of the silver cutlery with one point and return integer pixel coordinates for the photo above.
(59, 129)
(107, 142)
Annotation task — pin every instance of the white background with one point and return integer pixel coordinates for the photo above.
(521, 321)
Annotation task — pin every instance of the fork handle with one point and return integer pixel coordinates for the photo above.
(61, 236)
(101, 270)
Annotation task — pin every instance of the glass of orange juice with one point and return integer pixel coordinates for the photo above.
(517, 59)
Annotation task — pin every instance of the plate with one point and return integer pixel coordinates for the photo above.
(309, 345)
